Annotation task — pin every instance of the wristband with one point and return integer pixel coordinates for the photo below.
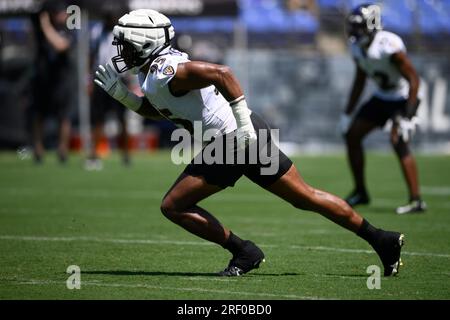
(131, 101)
(241, 112)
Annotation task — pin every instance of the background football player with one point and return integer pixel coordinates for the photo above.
(101, 103)
(381, 56)
(186, 91)
(52, 70)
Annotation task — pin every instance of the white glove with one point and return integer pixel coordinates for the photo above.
(344, 123)
(407, 127)
(245, 136)
(108, 80)
(245, 133)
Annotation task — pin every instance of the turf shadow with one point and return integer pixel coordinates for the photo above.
(345, 275)
(180, 274)
(275, 274)
(150, 273)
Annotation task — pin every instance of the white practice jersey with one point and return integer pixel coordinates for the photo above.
(376, 63)
(206, 105)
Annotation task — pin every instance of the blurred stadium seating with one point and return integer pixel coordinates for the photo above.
(269, 16)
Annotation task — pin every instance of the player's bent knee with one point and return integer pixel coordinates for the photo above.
(168, 209)
(171, 210)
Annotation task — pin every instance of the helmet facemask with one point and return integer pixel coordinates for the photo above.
(127, 58)
(359, 34)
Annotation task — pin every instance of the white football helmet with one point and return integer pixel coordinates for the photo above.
(140, 36)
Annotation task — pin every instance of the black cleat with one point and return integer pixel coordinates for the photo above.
(248, 259)
(415, 206)
(357, 198)
(389, 250)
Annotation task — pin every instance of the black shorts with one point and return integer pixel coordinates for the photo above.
(379, 111)
(264, 162)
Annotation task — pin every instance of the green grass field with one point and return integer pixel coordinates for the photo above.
(109, 224)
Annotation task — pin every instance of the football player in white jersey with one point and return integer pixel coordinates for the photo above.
(381, 56)
(186, 91)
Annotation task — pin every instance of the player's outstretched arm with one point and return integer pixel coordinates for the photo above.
(406, 68)
(107, 79)
(147, 110)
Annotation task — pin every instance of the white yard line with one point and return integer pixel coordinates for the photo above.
(197, 243)
(436, 190)
(104, 240)
(147, 286)
(130, 194)
(408, 253)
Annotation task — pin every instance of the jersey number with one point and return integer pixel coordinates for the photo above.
(182, 122)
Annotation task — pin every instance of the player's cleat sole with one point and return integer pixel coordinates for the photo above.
(248, 259)
(390, 252)
(357, 198)
(416, 206)
(233, 271)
